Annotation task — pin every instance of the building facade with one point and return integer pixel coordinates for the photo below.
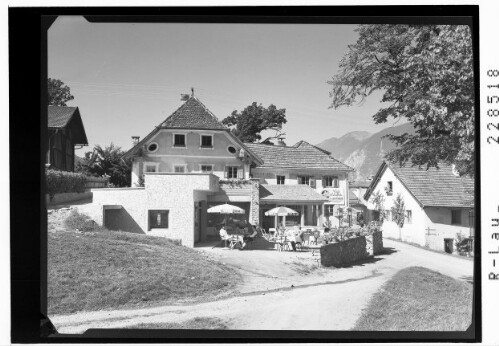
(191, 162)
(65, 130)
(438, 204)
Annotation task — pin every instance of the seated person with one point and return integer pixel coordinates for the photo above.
(224, 235)
(294, 236)
(249, 235)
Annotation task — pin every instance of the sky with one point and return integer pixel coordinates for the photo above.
(126, 78)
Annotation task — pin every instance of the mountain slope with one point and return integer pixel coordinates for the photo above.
(364, 154)
(341, 148)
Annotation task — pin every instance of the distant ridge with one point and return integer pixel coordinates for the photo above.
(362, 150)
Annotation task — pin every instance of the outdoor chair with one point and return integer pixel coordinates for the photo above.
(225, 237)
(272, 232)
(281, 243)
(266, 234)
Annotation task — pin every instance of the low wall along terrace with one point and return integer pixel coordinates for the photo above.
(374, 243)
(351, 250)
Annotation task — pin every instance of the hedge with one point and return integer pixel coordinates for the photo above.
(63, 182)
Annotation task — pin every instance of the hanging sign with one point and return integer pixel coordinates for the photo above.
(334, 195)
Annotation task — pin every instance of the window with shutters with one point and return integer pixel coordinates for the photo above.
(233, 172)
(330, 181)
(304, 180)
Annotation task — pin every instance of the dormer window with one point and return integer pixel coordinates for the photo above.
(206, 141)
(179, 140)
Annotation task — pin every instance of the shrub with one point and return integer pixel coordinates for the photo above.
(63, 182)
(81, 222)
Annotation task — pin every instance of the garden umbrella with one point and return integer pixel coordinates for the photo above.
(281, 211)
(225, 209)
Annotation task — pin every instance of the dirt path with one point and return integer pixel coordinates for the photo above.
(320, 299)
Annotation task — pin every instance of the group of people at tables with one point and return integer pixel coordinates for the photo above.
(243, 232)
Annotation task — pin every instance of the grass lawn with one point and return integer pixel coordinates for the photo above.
(112, 270)
(418, 299)
(196, 323)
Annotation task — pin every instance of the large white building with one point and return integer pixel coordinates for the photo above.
(439, 204)
(191, 162)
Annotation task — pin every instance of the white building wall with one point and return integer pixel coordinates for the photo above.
(413, 232)
(429, 226)
(176, 193)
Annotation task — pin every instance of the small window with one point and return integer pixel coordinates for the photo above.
(455, 217)
(158, 219)
(330, 181)
(206, 168)
(304, 180)
(206, 141)
(388, 215)
(150, 168)
(153, 147)
(231, 149)
(389, 188)
(408, 216)
(280, 179)
(179, 169)
(231, 172)
(179, 140)
(329, 209)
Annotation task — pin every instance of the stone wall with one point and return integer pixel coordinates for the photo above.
(344, 252)
(374, 243)
(95, 182)
(254, 217)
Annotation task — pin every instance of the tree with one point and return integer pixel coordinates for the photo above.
(59, 93)
(107, 161)
(248, 124)
(378, 199)
(426, 73)
(398, 211)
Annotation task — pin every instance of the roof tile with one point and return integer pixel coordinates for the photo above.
(301, 155)
(59, 116)
(436, 187)
(192, 114)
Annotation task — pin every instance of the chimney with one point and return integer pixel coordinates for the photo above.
(135, 140)
(281, 142)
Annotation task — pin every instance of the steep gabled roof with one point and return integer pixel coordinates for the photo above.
(192, 115)
(432, 187)
(289, 193)
(301, 155)
(60, 117)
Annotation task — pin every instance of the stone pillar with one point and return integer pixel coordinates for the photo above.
(254, 217)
